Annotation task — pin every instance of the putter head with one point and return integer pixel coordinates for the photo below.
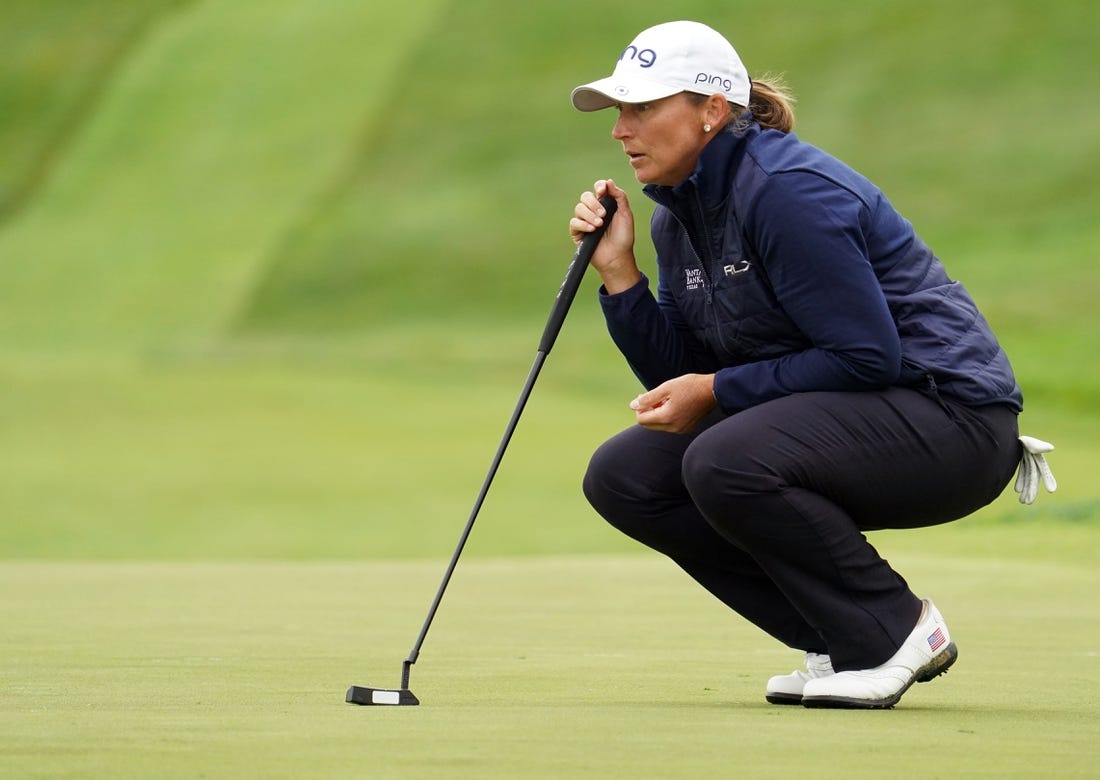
(366, 696)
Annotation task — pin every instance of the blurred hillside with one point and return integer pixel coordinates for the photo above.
(191, 187)
(293, 169)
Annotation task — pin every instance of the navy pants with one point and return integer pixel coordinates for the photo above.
(766, 508)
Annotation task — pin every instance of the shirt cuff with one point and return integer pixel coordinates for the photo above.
(626, 299)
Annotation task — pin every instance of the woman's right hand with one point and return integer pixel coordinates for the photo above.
(614, 256)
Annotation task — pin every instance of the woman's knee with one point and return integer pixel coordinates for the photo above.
(720, 473)
(599, 478)
(633, 482)
(631, 472)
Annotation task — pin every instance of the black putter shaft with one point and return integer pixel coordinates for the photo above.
(564, 299)
(562, 302)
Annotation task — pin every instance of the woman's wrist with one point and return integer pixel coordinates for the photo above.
(617, 280)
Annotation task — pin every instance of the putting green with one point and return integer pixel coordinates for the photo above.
(586, 666)
(272, 299)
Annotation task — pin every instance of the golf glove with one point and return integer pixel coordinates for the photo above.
(1033, 468)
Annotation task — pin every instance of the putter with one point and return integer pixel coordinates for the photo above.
(358, 694)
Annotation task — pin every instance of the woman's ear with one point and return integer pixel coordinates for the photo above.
(716, 109)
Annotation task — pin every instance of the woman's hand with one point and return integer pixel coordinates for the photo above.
(678, 405)
(614, 256)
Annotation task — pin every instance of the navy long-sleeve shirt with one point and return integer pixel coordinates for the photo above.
(782, 270)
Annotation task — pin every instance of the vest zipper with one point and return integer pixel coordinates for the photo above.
(707, 292)
(718, 347)
(706, 244)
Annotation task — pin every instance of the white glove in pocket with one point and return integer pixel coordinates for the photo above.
(1033, 469)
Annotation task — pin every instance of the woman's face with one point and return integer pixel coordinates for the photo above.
(663, 138)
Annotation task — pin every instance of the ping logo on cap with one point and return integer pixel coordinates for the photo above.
(726, 85)
(645, 57)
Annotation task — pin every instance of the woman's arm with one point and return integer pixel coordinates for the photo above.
(809, 233)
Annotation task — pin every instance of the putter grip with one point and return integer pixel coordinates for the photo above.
(573, 276)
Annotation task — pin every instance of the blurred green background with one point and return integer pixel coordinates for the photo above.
(272, 274)
(271, 277)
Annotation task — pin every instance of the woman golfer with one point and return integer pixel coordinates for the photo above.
(810, 373)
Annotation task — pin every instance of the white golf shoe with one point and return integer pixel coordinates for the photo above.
(787, 688)
(926, 654)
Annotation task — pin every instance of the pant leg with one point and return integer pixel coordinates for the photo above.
(634, 482)
(796, 481)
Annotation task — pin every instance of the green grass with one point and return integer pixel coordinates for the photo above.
(243, 460)
(211, 139)
(271, 276)
(58, 57)
(327, 457)
(551, 667)
(948, 136)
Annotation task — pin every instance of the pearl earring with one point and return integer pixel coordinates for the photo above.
(706, 128)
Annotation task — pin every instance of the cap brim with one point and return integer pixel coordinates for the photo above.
(613, 90)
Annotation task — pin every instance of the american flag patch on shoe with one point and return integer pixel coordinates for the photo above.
(936, 640)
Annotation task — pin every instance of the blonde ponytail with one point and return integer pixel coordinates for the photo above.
(772, 104)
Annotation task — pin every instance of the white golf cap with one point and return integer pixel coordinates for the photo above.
(665, 60)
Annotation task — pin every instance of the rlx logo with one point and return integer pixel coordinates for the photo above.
(646, 57)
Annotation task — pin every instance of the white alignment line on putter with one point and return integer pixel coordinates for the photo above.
(358, 694)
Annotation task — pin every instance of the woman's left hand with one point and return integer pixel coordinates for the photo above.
(678, 405)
